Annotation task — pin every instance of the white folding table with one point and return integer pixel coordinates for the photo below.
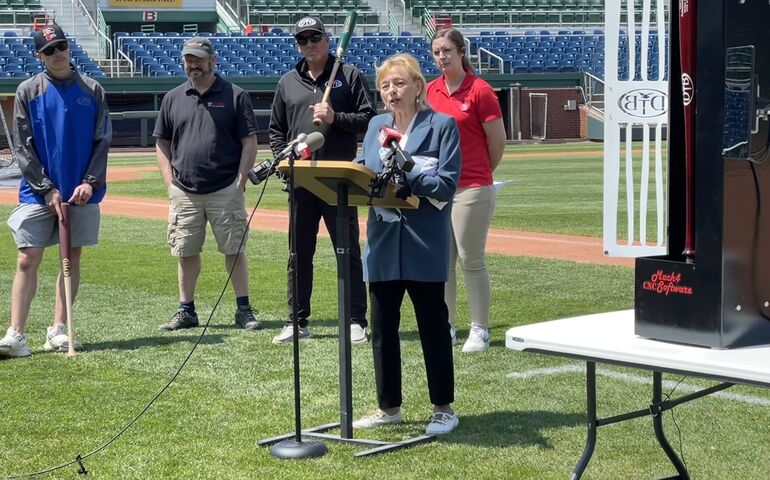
(609, 338)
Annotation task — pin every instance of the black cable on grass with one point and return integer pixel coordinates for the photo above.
(678, 430)
(79, 458)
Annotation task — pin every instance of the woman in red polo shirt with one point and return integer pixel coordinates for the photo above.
(473, 103)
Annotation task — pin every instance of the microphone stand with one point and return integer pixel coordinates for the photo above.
(296, 447)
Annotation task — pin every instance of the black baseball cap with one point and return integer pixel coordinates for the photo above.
(309, 24)
(48, 36)
(198, 46)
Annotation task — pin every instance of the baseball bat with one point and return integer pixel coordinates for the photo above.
(65, 253)
(342, 47)
(687, 39)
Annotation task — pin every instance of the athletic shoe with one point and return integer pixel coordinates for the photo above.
(375, 418)
(357, 334)
(181, 319)
(244, 318)
(56, 339)
(14, 344)
(478, 340)
(453, 334)
(442, 423)
(287, 334)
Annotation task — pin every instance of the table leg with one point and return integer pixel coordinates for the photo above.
(591, 422)
(657, 424)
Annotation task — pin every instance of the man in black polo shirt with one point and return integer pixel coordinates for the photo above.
(206, 145)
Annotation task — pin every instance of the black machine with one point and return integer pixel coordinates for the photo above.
(721, 298)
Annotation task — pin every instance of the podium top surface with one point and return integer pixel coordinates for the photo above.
(322, 177)
(609, 337)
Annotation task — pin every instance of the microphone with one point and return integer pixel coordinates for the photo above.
(287, 151)
(389, 137)
(302, 147)
(310, 144)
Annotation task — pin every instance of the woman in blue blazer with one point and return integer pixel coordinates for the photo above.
(407, 250)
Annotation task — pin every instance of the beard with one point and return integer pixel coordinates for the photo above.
(197, 72)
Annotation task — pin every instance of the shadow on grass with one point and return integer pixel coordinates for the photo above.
(505, 429)
(137, 343)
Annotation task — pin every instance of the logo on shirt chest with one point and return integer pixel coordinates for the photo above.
(83, 101)
(336, 84)
(215, 104)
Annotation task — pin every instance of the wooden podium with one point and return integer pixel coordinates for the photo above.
(324, 177)
(345, 184)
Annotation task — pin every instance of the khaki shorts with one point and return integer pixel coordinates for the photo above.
(35, 225)
(188, 214)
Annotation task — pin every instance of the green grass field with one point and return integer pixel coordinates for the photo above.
(238, 388)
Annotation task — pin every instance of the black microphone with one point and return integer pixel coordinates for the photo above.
(389, 137)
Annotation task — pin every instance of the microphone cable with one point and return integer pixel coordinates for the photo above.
(79, 458)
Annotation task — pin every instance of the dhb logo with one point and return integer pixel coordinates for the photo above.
(688, 89)
(336, 84)
(306, 22)
(644, 103)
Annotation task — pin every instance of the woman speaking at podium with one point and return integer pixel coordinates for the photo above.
(407, 250)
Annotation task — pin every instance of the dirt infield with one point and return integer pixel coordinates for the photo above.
(502, 241)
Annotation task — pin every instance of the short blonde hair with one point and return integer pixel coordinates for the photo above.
(410, 66)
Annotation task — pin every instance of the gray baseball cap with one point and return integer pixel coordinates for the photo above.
(198, 46)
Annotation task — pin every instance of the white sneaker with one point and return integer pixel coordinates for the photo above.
(375, 418)
(287, 334)
(56, 339)
(478, 340)
(14, 344)
(453, 334)
(357, 334)
(442, 423)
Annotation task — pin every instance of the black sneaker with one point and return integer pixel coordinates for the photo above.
(181, 319)
(244, 318)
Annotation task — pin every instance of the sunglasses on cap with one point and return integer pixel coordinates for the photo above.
(61, 46)
(315, 38)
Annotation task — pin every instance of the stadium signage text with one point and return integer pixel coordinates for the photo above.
(143, 4)
(644, 103)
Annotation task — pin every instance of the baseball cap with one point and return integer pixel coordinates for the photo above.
(48, 36)
(198, 46)
(309, 24)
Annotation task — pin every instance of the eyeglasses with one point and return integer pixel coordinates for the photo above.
(315, 38)
(61, 46)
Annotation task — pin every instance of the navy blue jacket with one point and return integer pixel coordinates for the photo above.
(416, 247)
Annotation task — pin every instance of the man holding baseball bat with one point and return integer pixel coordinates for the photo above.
(298, 107)
(61, 139)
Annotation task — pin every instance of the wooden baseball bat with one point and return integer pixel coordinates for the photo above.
(65, 254)
(687, 39)
(342, 47)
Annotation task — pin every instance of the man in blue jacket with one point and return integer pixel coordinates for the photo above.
(61, 139)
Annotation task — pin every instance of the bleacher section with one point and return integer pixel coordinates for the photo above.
(512, 12)
(286, 12)
(536, 51)
(20, 12)
(270, 55)
(17, 58)
(273, 54)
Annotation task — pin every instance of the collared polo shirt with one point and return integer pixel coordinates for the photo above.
(472, 105)
(205, 132)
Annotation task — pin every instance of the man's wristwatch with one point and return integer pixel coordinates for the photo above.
(91, 180)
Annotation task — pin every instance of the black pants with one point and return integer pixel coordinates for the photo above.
(308, 212)
(433, 326)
